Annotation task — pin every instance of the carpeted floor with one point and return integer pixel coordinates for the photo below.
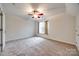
(38, 46)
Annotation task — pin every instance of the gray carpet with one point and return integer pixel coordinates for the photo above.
(37, 46)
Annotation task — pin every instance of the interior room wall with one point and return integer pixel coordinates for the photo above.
(61, 28)
(73, 9)
(18, 27)
(77, 31)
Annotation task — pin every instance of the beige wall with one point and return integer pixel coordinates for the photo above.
(17, 27)
(77, 31)
(61, 28)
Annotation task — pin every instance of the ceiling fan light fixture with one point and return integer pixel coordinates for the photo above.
(38, 17)
(35, 14)
(33, 17)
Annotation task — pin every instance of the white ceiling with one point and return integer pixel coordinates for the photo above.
(21, 9)
(72, 8)
(49, 9)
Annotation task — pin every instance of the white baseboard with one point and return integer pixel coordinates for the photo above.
(19, 39)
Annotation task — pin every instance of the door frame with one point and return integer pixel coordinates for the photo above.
(1, 29)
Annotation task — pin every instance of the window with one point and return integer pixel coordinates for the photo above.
(43, 27)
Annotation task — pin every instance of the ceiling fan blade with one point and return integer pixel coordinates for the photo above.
(30, 14)
(41, 14)
(35, 11)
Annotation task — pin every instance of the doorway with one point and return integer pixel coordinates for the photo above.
(2, 31)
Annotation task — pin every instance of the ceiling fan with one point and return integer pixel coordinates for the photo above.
(36, 14)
